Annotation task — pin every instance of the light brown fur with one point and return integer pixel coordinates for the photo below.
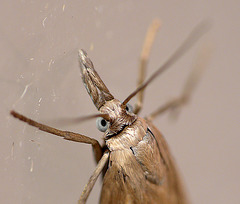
(145, 175)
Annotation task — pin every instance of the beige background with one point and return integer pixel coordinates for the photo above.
(40, 78)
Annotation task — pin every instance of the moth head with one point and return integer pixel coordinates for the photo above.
(119, 116)
(116, 115)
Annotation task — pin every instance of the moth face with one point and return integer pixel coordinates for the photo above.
(119, 117)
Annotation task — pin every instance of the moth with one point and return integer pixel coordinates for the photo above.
(135, 160)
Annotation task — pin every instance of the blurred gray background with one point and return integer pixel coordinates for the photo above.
(40, 78)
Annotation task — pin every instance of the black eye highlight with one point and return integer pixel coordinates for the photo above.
(129, 108)
(101, 124)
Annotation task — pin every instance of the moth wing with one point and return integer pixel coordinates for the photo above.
(127, 184)
(144, 172)
(173, 184)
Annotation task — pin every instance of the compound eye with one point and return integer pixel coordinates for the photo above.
(129, 108)
(102, 124)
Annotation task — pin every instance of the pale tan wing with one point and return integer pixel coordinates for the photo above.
(127, 184)
(175, 188)
(142, 173)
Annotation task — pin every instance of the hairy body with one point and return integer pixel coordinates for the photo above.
(140, 168)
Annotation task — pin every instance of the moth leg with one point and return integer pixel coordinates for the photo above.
(93, 178)
(170, 105)
(200, 64)
(65, 134)
(147, 45)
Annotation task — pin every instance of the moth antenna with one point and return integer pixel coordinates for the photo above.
(77, 120)
(193, 37)
(74, 120)
(199, 66)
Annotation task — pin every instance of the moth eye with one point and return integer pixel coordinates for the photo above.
(102, 124)
(129, 108)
